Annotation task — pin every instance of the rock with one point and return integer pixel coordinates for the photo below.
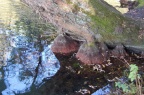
(138, 51)
(64, 45)
(136, 14)
(87, 19)
(123, 3)
(131, 4)
(118, 51)
(95, 54)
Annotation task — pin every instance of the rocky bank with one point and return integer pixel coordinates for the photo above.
(92, 29)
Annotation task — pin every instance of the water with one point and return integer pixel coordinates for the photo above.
(21, 75)
(26, 59)
(103, 91)
(28, 66)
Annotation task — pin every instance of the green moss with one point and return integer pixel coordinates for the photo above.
(105, 20)
(32, 27)
(92, 44)
(141, 3)
(76, 65)
(69, 1)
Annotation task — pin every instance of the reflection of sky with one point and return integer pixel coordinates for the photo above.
(103, 91)
(49, 65)
(20, 57)
(20, 72)
(13, 80)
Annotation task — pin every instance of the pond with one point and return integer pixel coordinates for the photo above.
(29, 67)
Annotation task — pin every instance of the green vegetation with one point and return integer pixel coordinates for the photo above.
(34, 27)
(111, 24)
(24, 21)
(141, 3)
(105, 20)
(30, 27)
(134, 84)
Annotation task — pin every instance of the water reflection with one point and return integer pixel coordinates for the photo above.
(8, 15)
(103, 91)
(49, 66)
(25, 65)
(24, 61)
(12, 11)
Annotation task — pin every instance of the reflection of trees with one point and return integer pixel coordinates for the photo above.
(21, 51)
(20, 73)
(4, 50)
(18, 17)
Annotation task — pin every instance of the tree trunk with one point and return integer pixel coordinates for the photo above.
(99, 29)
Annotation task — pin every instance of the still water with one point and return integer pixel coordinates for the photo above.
(29, 67)
(25, 58)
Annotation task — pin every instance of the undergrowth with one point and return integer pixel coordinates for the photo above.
(133, 84)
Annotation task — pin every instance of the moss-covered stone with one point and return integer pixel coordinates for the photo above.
(92, 21)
